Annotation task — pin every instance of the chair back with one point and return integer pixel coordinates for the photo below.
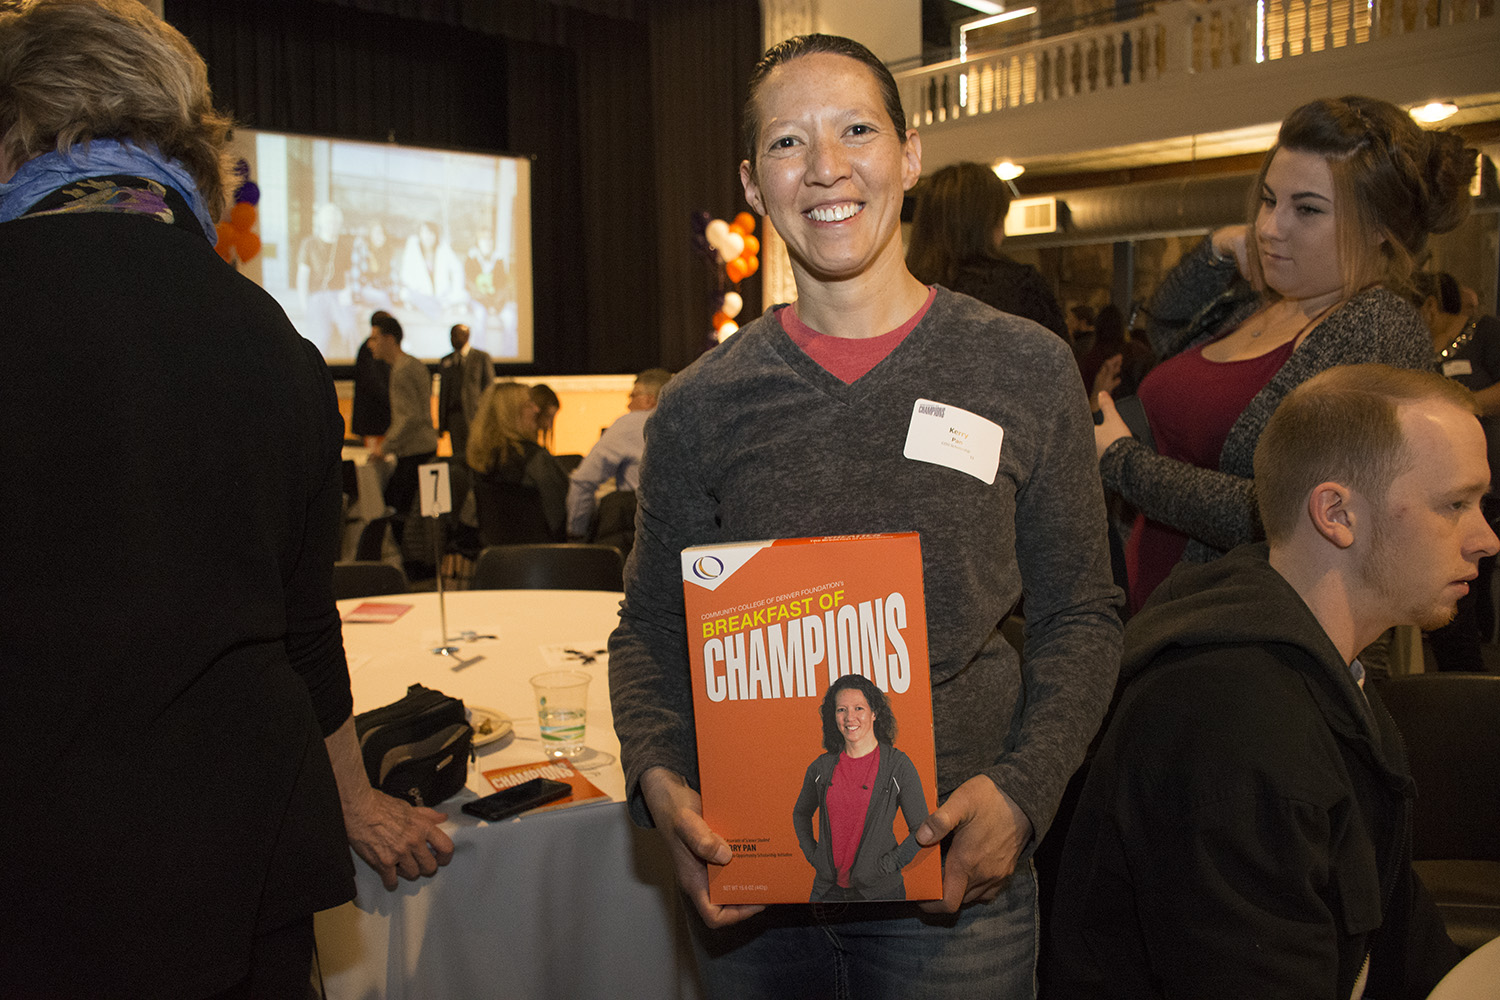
(549, 567)
(614, 521)
(510, 514)
(367, 579)
(1451, 726)
(371, 544)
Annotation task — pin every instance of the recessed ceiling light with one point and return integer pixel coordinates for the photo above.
(1008, 171)
(983, 6)
(1436, 111)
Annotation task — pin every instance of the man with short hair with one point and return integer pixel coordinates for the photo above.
(617, 453)
(1245, 829)
(410, 439)
(463, 377)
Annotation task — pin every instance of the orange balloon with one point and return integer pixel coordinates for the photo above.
(719, 320)
(247, 246)
(745, 221)
(242, 215)
(225, 246)
(752, 264)
(752, 246)
(736, 270)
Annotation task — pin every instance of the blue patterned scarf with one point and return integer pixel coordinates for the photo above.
(44, 174)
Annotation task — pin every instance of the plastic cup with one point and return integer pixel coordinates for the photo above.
(562, 705)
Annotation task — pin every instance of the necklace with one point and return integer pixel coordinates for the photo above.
(1311, 322)
(1464, 336)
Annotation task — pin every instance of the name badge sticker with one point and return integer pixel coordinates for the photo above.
(953, 437)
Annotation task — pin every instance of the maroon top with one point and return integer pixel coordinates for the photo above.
(848, 358)
(1191, 404)
(847, 802)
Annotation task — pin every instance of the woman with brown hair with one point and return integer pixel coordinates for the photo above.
(1319, 277)
(956, 233)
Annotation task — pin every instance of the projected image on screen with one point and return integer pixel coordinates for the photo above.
(432, 237)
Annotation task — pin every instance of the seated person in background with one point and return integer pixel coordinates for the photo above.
(1468, 351)
(955, 242)
(547, 405)
(503, 450)
(1245, 829)
(616, 455)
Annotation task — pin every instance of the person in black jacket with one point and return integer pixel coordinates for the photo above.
(956, 233)
(1245, 828)
(176, 737)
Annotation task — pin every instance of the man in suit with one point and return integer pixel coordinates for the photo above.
(466, 373)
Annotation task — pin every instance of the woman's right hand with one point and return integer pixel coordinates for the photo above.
(1107, 378)
(677, 811)
(1233, 241)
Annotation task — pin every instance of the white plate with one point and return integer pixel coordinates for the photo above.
(489, 725)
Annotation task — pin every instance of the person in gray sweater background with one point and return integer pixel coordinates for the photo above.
(878, 404)
(1346, 200)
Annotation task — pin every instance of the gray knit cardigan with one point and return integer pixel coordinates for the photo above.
(1216, 507)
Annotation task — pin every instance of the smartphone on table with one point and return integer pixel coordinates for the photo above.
(517, 799)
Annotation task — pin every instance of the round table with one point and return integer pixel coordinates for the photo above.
(576, 902)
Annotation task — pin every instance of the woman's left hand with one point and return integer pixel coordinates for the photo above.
(1111, 428)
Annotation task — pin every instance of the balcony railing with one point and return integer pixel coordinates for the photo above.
(1174, 39)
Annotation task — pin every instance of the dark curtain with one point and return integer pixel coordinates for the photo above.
(701, 54)
(629, 109)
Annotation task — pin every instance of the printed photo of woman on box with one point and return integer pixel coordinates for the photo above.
(856, 788)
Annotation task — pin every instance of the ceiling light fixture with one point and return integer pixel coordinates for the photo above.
(1008, 171)
(1433, 112)
(983, 6)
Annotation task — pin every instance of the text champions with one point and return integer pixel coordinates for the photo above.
(775, 652)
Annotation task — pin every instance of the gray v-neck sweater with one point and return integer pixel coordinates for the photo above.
(755, 440)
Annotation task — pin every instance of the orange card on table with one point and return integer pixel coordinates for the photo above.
(770, 625)
(375, 613)
(562, 770)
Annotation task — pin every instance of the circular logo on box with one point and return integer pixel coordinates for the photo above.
(708, 568)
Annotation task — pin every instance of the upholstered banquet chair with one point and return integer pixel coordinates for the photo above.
(563, 566)
(1451, 726)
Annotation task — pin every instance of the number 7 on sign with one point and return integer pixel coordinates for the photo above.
(437, 496)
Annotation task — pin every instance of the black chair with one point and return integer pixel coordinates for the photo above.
(510, 514)
(371, 544)
(367, 579)
(549, 567)
(614, 521)
(1451, 726)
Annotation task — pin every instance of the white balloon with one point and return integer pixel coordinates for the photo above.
(731, 246)
(715, 232)
(728, 330)
(732, 304)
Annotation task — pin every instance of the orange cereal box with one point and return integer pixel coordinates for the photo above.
(814, 716)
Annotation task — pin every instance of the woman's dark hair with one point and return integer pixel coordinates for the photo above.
(1393, 182)
(806, 45)
(885, 720)
(958, 210)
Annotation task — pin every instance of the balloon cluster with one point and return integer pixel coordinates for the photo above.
(237, 239)
(732, 244)
(736, 245)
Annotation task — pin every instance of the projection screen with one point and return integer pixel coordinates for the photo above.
(433, 237)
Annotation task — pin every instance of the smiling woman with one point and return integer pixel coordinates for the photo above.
(876, 403)
(1344, 203)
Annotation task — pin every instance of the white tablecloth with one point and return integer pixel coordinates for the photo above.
(572, 903)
